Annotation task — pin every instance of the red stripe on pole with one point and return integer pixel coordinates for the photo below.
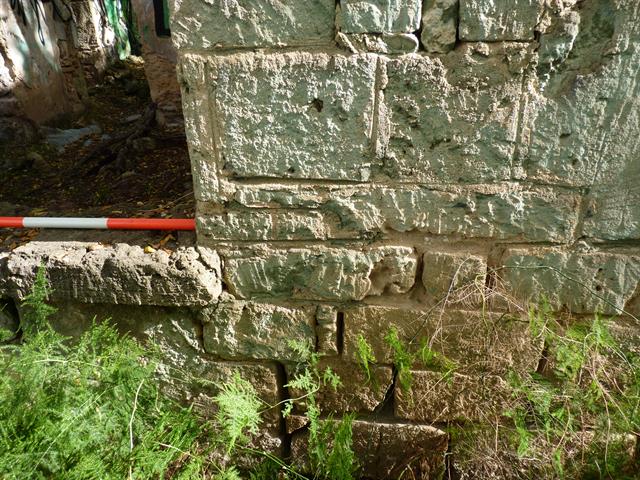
(151, 224)
(11, 222)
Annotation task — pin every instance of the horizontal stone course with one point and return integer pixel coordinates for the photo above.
(297, 114)
(454, 278)
(505, 212)
(211, 24)
(578, 281)
(320, 273)
(122, 274)
(472, 341)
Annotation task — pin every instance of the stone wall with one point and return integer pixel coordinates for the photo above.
(374, 164)
(361, 165)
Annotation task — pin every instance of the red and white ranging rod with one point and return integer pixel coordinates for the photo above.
(99, 223)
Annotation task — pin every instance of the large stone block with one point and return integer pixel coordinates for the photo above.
(187, 373)
(506, 212)
(453, 119)
(498, 20)
(356, 392)
(582, 128)
(245, 330)
(210, 24)
(441, 397)
(454, 277)
(379, 16)
(123, 274)
(475, 341)
(297, 114)
(439, 25)
(581, 282)
(388, 451)
(320, 273)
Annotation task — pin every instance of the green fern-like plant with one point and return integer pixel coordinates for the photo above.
(365, 356)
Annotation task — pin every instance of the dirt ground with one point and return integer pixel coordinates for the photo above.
(39, 180)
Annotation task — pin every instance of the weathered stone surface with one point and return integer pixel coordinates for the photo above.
(453, 277)
(386, 450)
(320, 273)
(210, 24)
(379, 16)
(478, 342)
(186, 371)
(453, 119)
(263, 225)
(581, 282)
(439, 25)
(498, 20)
(389, 43)
(357, 393)
(508, 211)
(298, 114)
(245, 330)
(123, 274)
(327, 330)
(581, 128)
(436, 397)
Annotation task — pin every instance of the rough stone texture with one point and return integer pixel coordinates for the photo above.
(246, 330)
(379, 16)
(210, 24)
(504, 212)
(123, 274)
(388, 43)
(320, 273)
(187, 372)
(454, 119)
(439, 25)
(436, 397)
(498, 20)
(472, 340)
(299, 115)
(327, 330)
(579, 281)
(453, 278)
(356, 393)
(386, 450)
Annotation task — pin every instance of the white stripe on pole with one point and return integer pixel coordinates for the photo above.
(69, 222)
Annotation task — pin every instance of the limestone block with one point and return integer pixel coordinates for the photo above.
(327, 330)
(261, 225)
(581, 282)
(320, 273)
(387, 451)
(378, 16)
(122, 274)
(356, 393)
(185, 370)
(454, 277)
(246, 330)
(507, 212)
(477, 341)
(439, 25)
(209, 24)
(498, 20)
(436, 397)
(582, 128)
(453, 119)
(296, 114)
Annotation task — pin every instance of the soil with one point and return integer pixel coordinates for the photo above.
(41, 181)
